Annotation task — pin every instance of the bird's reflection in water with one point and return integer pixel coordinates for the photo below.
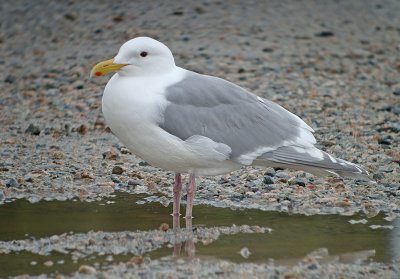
(190, 247)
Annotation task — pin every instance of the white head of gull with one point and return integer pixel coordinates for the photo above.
(190, 123)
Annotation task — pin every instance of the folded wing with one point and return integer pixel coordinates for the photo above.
(256, 130)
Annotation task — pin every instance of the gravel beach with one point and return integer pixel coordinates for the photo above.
(336, 64)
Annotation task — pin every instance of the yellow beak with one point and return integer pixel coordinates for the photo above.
(105, 67)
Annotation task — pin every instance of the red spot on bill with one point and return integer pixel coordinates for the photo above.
(98, 74)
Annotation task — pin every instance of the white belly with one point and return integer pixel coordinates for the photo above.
(132, 110)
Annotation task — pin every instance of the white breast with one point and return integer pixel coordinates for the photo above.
(133, 108)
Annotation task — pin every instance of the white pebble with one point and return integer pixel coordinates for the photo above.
(362, 221)
(245, 252)
(48, 263)
(374, 227)
(165, 201)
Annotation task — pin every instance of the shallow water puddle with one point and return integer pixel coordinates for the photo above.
(293, 236)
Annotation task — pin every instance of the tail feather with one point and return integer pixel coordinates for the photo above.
(311, 160)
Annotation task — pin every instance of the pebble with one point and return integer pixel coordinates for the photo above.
(164, 227)
(111, 154)
(362, 221)
(117, 170)
(124, 150)
(54, 238)
(117, 18)
(378, 176)
(386, 168)
(28, 178)
(115, 179)
(9, 79)
(87, 175)
(391, 217)
(325, 34)
(48, 263)
(136, 260)
(394, 127)
(12, 183)
(385, 141)
(165, 201)
(134, 182)
(99, 123)
(268, 180)
(296, 181)
(270, 172)
(269, 188)
(33, 130)
(34, 199)
(70, 16)
(82, 129)
(86, 269)
(388, 227)
(245, 252)
(282, 174)
(251, 177)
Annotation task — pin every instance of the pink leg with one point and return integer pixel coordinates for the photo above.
(177, 200)
(176, 209)
(190, 196)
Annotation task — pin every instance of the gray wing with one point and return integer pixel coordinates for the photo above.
(312, 160)
(226, 113)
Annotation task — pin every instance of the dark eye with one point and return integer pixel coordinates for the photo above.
(143, 54)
